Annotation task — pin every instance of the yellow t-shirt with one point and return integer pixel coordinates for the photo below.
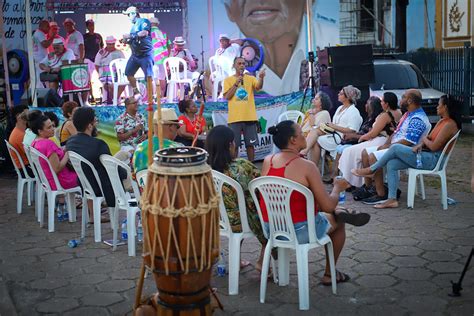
(242, 104)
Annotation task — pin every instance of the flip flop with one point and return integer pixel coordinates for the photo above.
(340, 278)
(351, 216)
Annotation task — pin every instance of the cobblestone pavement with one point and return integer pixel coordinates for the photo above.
(401, 263)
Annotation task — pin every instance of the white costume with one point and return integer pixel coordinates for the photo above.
(73, 40)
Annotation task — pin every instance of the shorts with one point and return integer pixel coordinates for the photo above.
(377, 153)
(145, 62)
(159, 72)
(301, 229)
(250, 133)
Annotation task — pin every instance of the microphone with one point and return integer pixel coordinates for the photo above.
(241, 81)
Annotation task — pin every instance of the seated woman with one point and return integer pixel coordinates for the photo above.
(67, 128)
(313, 119)
(399, 157)
(190, 124)
(222, 157)
(347, 119)
(43, 128)
(288, 163)
(384, 126)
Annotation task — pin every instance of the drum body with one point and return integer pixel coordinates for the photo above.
(181, 230)
(75, 78)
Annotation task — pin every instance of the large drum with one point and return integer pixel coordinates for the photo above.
(181, 230)
(75, 78)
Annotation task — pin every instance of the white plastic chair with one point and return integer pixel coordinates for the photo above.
(226, 230)
(38, 187)
(22, 180)
(221, 68)
(276, 192)
(89, 194)
(292, 115)
(117, 69)
(438, 170)
(123, 199)
(51, 194)
(174, 77)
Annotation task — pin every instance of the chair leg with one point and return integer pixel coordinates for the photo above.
(234, 264)
(303, 282)
(131, 231)
(283, 266)
(411, 189)
(332, 266)
(444, 191)
(28, 187)
(40, 202)
(115, 99)
(97, 223)
(214, 90)
(71, 206)
(264, 273)
(115, 225)
(422, 187)
(19, 195)
(51, 208)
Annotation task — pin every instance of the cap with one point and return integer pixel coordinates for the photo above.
(168, 116)
(110, 40)
(223, 36)
(58, 41)
(130, 10)
(179, 40)
(69, 20)
(154, 20)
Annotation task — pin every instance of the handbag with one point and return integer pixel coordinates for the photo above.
(48, 76)
(331, 131)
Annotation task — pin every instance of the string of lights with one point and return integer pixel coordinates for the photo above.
(112, 6)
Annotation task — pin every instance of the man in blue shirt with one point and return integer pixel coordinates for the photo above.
(139, 40)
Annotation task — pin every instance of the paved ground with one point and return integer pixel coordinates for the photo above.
(401, 263)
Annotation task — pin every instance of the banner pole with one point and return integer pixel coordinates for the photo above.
(149, 88)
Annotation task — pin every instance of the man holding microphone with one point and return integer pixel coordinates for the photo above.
(239, 91)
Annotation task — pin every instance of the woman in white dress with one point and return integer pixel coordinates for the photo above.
(347, 119)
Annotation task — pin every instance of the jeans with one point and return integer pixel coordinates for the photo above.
(400, 157)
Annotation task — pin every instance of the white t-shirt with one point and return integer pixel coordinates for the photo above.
(230, 52)
(348, 118)
(55, 61)
(39, 52)
(103, 59)
(73, 40)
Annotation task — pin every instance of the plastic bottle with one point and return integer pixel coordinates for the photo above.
(342, 194)
(419, 163)
(124, 230)
(221, 265)
(73, 243)
(65, 212)
(59, 213)
(139, 229)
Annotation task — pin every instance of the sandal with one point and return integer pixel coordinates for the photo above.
(350, 216)
(340, 278)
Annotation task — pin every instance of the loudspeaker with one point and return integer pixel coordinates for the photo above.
(344, 65)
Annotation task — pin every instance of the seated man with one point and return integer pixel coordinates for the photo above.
(102, 62)
(130, 126)
(184, 53)
(52, 63)
(228, 48)
(170, 124)
(19, 115)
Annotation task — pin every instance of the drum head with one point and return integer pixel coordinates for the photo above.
(181, 156)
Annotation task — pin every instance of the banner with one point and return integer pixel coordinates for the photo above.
(267, 116)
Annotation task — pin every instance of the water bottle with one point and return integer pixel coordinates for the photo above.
(139, 229)
(59, 214)
(124, 230)
(342, 194)
(65, 212)
(419, 163)
(221, 265)
(73, 243)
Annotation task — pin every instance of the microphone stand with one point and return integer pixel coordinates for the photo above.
(202, 53)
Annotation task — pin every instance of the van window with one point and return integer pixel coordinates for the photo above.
(398, 76)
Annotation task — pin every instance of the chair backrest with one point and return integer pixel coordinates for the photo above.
(112, 165)
(37, 158)
(14, 153)
(276, 193)
(221, 67)
(174, 64)
(220, 180)
(446, 153)
(141, 177)
(292, 115)
(77, 162)
(32, 165)
(117, 69)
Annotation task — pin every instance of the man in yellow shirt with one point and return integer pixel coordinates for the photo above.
(239, 91)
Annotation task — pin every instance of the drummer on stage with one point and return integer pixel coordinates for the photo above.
(140, 42)
(53, 62)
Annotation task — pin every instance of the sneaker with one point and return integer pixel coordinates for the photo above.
(363, 192)
(375, 199)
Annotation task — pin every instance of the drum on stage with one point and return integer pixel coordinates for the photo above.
(181, 230)
(75, 78)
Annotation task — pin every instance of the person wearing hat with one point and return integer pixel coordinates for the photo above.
(52, 34)
(161, 50)
(102, 61)
(53, 61)
(184, 53)
(41, 42)
(228, 48)
(170, 125)
(139, 40)
(74, 39)
(93, 42)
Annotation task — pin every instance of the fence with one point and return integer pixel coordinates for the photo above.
(450, 71)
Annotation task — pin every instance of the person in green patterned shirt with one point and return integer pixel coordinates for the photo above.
(222, 157)
(170, 123)
(161, 50)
